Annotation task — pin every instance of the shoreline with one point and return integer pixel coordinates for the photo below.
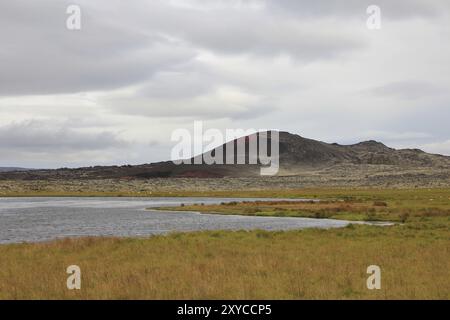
(310, 263)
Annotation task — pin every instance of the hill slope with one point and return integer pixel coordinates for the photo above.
(9, 169)
(297, 156)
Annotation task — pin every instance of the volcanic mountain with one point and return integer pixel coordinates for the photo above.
(297, 155)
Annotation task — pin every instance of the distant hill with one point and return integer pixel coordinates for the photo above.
(297, 156)
(9, 169)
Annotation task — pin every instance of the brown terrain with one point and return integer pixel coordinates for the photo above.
(303, 163)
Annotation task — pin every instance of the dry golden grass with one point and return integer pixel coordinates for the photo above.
(308, 264)
(355, 205)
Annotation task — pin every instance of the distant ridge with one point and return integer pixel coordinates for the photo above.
(9, 169)
(297, 156)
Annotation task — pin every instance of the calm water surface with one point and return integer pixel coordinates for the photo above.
(41, 219)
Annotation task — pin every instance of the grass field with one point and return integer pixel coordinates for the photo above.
(414, 255)
(357, 205)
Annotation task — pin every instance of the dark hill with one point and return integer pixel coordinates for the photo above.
(10, 169)
(297, 155)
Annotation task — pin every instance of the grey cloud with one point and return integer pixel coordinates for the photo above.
(219, 103)
(386, 135)
(396, 9)
(244, 30)
(125, 44)
(428, 117)
(233, 61)
(442, 147)
(274, 38)
(408, 90)
(392, 9)
(40, 56)
(177, 85)
(48, 137)
(194, 91)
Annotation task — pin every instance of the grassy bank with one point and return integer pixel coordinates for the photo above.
(358, 205)
(308, 264)
(414, 255)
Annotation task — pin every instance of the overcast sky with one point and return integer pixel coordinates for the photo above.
(113, 92)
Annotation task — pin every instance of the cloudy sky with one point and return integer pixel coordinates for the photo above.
(114, 91)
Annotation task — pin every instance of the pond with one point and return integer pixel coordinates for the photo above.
(42, 219)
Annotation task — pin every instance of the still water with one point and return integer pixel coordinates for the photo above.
(42, 219)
